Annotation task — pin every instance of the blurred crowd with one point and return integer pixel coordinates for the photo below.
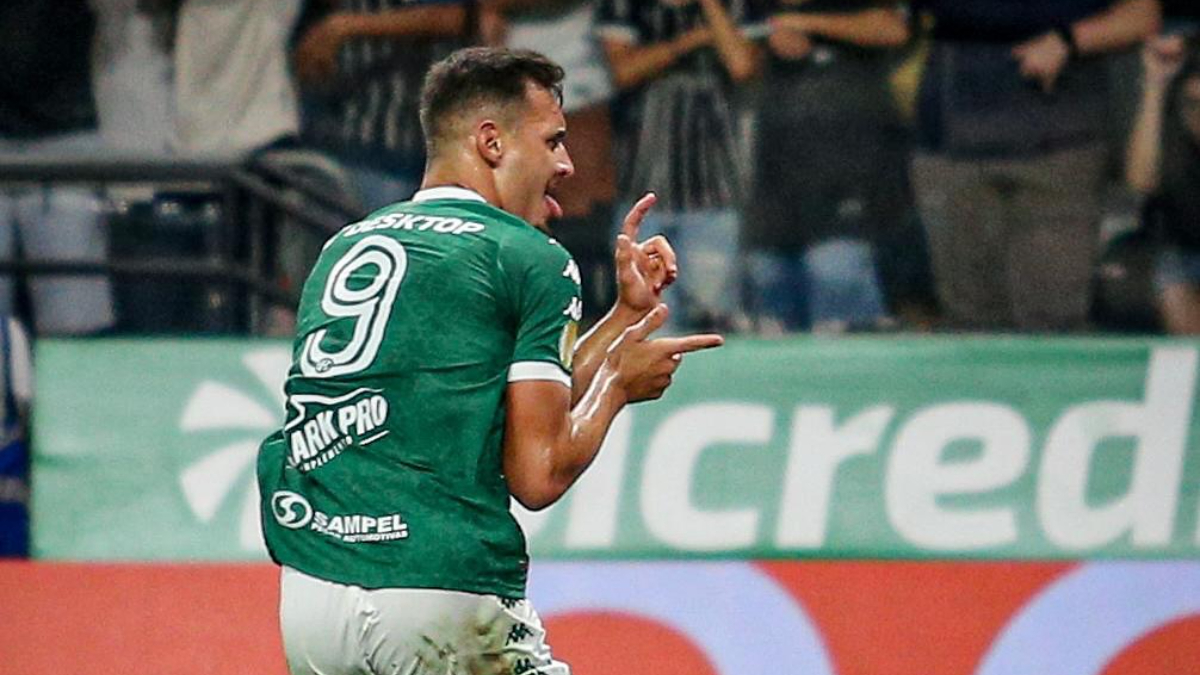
(821, 165)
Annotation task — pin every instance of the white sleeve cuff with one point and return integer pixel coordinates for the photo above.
(537, 370)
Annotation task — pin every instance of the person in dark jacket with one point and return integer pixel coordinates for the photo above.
(1011, 163)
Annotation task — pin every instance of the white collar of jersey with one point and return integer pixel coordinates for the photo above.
(447, 192)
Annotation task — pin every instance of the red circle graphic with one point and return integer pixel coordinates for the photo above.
(594, 643)
(1171, 648)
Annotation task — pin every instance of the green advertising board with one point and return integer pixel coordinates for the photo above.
(854, 447)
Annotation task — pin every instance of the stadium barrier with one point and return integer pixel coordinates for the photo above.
(909, 506)
(246, 210)
(930, 448)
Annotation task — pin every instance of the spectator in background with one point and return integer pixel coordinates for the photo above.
(47, 107)
(131, 69)
(360, 64)
(210, 76)
(831, 160)
(16, 398)
(564, 31)
(235, 95)
(1164, 163)
(1011, 164)
(683, 134)
(233, 88)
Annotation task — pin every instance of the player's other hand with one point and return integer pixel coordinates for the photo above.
(644, 269)
(645, 367)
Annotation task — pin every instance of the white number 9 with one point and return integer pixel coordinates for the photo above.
(369, 306)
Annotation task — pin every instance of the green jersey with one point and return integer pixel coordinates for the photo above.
(387, 472)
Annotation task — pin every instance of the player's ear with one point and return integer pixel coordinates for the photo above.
(488, 142)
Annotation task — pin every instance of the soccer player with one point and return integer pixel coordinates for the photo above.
(435, 374)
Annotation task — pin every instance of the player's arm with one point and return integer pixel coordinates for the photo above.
(548, 442)
(316, 55)
(739, 55)
(643, 270)
(875, 27)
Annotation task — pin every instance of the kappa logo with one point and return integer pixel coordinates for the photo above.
(574, 309)
(572, 272)
(221, 481)
(291, 510)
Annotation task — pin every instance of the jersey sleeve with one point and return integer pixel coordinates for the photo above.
(547, 306)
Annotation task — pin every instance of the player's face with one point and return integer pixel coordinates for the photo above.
(536, 160)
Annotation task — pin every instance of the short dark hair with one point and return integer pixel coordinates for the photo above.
(477, 75)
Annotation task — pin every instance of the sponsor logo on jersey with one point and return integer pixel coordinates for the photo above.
(415, 222)
(357, 528)
(321, 427)
(293, 511)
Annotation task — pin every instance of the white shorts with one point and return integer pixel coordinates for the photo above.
(334, 629)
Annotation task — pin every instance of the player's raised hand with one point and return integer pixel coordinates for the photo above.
(645, 367)
(644, 269)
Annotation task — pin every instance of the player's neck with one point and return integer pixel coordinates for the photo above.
(451, 174)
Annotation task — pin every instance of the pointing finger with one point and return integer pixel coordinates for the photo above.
(691, 343)
(634, 219)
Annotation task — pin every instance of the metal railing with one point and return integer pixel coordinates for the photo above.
(254, 194)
